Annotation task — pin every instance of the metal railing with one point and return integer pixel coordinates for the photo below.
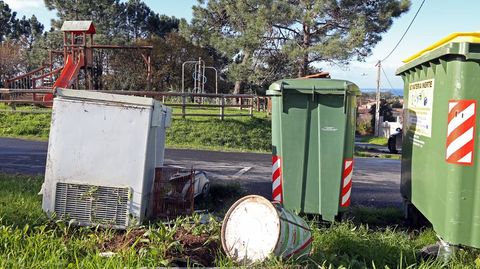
(41, 77)
(14, 97)
(190, 104)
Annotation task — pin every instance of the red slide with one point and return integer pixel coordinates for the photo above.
(67, 76)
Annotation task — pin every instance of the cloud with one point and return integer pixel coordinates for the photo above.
(20, 5)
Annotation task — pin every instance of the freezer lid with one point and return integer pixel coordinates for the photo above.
(161, 115)
(105, 97)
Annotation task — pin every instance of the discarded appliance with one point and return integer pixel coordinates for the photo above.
(175, 190)
(172, 192)
(254, 229)
(201, 184)
(102, 153)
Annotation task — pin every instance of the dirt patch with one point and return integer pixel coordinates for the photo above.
(198, 248)
(123, 240)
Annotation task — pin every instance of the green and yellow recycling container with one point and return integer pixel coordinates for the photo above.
(313, 133)
(440, 152)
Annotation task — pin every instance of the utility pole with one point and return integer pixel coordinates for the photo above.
(377, 100)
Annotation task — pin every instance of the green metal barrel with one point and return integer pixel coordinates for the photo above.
(440, 153)
(313, 131)
(254, 229)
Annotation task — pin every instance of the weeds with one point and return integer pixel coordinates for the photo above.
(19, 202)
(356, 246)
(367, 238)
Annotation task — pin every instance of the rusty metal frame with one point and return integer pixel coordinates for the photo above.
(168, 200)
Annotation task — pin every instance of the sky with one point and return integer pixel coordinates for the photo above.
(436, 20)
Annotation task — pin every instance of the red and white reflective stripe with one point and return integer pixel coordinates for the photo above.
(300, 248)
(461, 131)
(346, 182)
(277, 179)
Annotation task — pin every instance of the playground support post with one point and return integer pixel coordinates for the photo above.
(183, 73)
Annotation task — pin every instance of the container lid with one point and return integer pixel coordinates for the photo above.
(317, 85)
(251, 229)
(461, 43)
(105, 97)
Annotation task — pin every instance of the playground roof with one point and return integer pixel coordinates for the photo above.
(78, 26)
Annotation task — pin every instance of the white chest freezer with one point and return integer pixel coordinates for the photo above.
(102, 153)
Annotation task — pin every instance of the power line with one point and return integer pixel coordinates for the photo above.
(385, 74)
(379, 66)
(398, 43)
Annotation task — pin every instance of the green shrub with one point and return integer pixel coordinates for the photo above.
(364, 126)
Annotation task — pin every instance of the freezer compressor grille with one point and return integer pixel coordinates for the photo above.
(90, 204)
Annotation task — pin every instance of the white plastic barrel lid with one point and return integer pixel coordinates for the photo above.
(251, 229)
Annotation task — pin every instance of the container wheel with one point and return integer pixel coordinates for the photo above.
(415, 218)
(392, 147)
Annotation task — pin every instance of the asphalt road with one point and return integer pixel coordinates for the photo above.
(375, 181)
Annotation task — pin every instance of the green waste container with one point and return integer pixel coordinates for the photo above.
(313, 133)
(440, 160)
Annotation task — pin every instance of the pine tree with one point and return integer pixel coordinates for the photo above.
(104, 13)
(27, 31)
(140, 22)
(265, 36)
(236, 28)
(336, 31)
(7, 20)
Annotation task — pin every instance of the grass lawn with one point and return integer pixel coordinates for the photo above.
(230, 134)
(369, 238)
(381, 141)
(209, 133)
(24, 125)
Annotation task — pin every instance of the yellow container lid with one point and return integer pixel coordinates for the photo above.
(469, 37)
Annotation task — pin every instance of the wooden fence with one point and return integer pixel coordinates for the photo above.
(245, 104)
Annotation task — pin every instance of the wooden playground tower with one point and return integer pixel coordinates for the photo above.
(78, 60)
